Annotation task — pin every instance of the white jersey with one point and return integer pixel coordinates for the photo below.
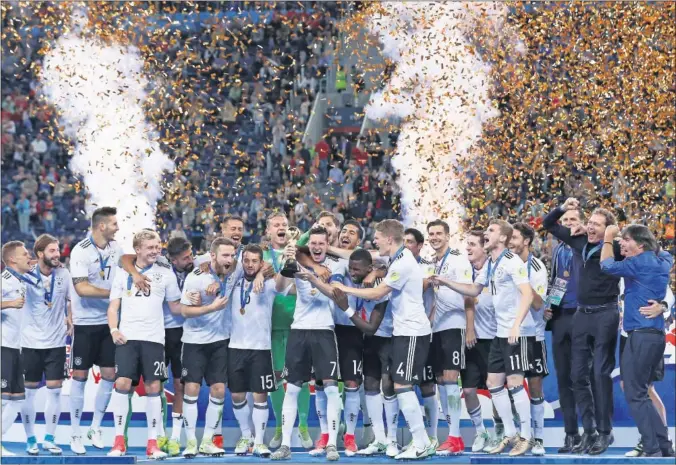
(406, 301)
(485, 326)
(427, 270)
(313, 309)
(364, 308)
(99, 267)
(214, 326)
(509, 273)
(141, 313)
(10, 321)
(44, 327)
(450, 305)
(539, 278)
(252, 316)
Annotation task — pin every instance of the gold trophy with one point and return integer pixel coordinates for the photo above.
(291, 265)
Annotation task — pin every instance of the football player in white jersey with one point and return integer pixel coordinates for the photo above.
(17, 262)
(180, 259)
(374, 319)
(93, 262)
(312, 343)
(507, 278)
(43, 339)
(206, 334)
(482, 321)
(521, 244)
(415, 241)
(249, 356)
(412, 330)
(138, 333)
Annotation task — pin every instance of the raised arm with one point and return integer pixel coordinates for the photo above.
(127, 264)
(551, 223)
(370, 293)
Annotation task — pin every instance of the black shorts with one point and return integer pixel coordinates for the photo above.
(448, 347)
(409, 354)
(350, 352)
(537, 358)
(92, 345)
(475, 373)
(11, 367)
(658, 373)
(428, 376)
(377, 351)
(308, 351)
(510, 359)
(251, 371)
(172, 350)
(51, 362)
(140, 358)
(205, 361)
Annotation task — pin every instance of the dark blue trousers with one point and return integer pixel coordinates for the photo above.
(562, 337)
(641, 357)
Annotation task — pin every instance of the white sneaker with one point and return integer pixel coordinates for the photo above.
(96, 437)
(480, 441)
(261, 450)
(32, 448)
(375, 448)
(5, 453)
(76, 446)
(116, 453)
(242, 446)
(392, 450)
(317, 452)
(52, 448)
(537, 447)
(412, 453)
(368, 437)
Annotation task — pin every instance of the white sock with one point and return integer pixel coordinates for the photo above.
(28, 412)
(176, 426)
(537, 413)
(504, 407)
(259, 417)
(241, 411)
(351, 414)
(190, 416)
(10, 408)
(52, 410)
(365, 415)
(374, 404)
(101, 402)
(120, 410)
(153, 415)
(333, 406)
(320, 406)
(408, 403)
(250, 403)
(431, 415)
(522, 405)
(443, 396)
(454, 409)
(213, 417)
(77, 390)
(289, 412)
(391, 405)
(477, 419)
(163, 410)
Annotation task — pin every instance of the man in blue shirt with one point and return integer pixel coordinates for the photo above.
(645, 270)
(562, 302)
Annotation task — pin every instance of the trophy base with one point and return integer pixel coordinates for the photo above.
(290, 269)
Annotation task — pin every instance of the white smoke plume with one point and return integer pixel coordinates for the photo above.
(99, 90)
(439, 89)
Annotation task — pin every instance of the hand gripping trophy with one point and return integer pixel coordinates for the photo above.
(291, 265)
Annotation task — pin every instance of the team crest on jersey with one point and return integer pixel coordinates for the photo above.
(4, 383)
(157, 277)
(184, 372)
(77, 361)
(499, 273)
(59, 282)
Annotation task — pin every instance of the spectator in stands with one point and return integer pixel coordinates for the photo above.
(188, 208)
(23, 210)
(341, 79)
(39, 145)
(29, 186)
(322, 149)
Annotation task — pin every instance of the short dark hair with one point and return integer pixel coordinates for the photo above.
(361, 255)
(441, 223)
(607, 214)
(102, 213)
(356, 224)
(479, 234)
(327, 214)
(642, 236)
(177, 245)
(526, 231)
(255, 249)
(219, 241)
(9, 248)
(319, 230)
(232, 218)
(417, 235)
(42, 242)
